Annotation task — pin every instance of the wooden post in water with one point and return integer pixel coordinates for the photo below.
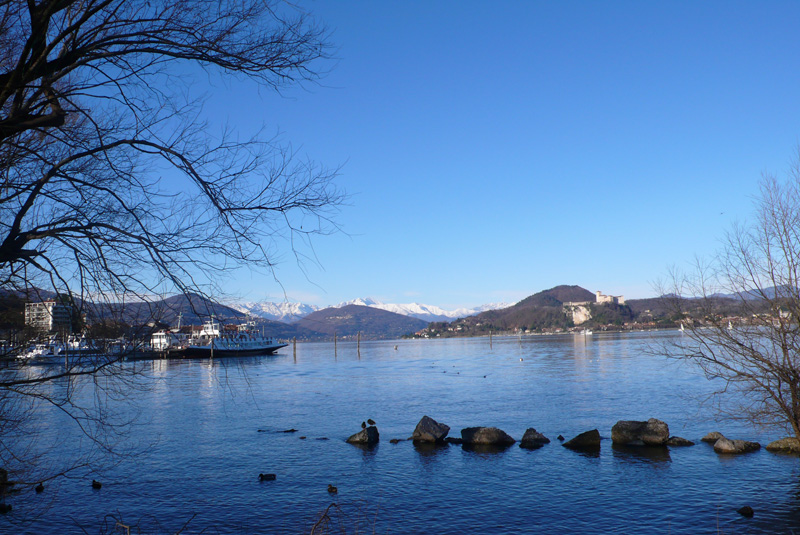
(212, 347)
(358, 344)
(490, 339)
(334, 344)
(294, 340)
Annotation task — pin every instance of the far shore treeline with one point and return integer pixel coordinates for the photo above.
(541, 313)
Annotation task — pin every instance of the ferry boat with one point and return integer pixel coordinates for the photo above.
(244, 341)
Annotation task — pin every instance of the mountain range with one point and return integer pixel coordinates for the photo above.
(541, 312)
(293, 312)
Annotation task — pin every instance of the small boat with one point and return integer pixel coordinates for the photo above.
(73, 350)
(244, 341)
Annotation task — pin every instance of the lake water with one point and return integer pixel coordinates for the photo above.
(214, 426)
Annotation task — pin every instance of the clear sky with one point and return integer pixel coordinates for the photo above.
(496, 149)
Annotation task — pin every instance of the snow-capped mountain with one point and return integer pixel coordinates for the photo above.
(291, 312)
(424, 312)
(284, 312)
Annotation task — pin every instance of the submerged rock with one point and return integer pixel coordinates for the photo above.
(486, 436)
(454, 440)
(726, 445)
(785, 445)
(712, 437)
(634, 433)
(746, 511)
(588, 440)
(532, 439)
(368, 436)
(678, 441)
(429, 430)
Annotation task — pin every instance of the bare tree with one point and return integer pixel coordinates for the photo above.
(113, 185)
(752, 350)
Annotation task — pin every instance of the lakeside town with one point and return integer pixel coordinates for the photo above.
(53, 327)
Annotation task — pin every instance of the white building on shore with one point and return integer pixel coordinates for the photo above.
(48, 316)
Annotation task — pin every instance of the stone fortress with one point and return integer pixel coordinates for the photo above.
(579, 310)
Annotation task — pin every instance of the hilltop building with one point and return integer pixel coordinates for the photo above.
(613, 299)
(48, 316)
(579, 310)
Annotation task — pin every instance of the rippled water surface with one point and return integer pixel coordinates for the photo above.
(214, 426)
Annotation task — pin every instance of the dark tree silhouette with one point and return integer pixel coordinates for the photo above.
(113, 185)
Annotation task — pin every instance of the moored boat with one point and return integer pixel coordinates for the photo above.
(244, 341)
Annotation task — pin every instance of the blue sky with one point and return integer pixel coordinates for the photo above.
(496, 149)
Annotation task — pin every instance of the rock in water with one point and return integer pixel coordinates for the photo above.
(785, 445)
(726, 445)
(485, 436)
(712, 437)
(368, 436)
(746, 511)
(429, 430)
(267, 477)
(588, 440)
(678, 441)
(632, 433)
(532, 439)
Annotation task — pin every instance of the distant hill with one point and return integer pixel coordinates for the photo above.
(423, 312)
(555, 297)
(371, 322)
(540, 311)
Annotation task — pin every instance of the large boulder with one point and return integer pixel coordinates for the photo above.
(485, 436)
(589, 440)
(634, 433)
(532, 439)
(368, 436)
(712, 437)
(429, 430)
(726, 445)
(785, 445)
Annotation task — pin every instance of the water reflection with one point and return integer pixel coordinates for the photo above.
(652, 455)
(430, 451)
(587, 453)
(484, 450)
(369, 450)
